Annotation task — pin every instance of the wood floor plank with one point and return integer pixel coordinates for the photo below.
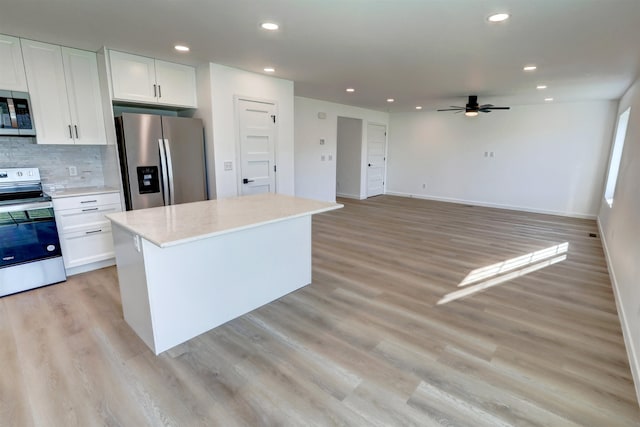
(15, 400)
(370, 342)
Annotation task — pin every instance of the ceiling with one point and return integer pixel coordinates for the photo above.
(432, 53)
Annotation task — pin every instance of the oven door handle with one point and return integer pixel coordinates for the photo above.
(25, 207)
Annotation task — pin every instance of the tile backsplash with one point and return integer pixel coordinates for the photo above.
(54, 161)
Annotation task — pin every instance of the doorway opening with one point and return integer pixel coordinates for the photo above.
(349, 157)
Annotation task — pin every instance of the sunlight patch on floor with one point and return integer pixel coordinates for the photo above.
(495, 274)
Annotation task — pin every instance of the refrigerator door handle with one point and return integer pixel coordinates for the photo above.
(163, 172)
(172, 197)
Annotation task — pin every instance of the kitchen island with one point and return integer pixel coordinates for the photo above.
(185, 269)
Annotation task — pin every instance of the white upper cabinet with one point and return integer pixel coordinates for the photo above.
(12, 75)
(133, 78)
(85, 102)
(65, 94)
(177, 84)
(151, 81)
(48, 92)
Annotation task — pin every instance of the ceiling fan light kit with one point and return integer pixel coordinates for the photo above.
(473, 108)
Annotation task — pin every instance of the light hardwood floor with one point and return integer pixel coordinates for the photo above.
(365, 344)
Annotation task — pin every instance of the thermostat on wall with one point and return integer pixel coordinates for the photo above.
(322, 115)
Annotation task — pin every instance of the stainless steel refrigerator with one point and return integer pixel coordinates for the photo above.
(161, 160)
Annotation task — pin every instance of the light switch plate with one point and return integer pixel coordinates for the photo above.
(228, 165)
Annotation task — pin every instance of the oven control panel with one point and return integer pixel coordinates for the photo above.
(19, 174)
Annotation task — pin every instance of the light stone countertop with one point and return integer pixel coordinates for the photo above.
(80, 191)
(177, 224)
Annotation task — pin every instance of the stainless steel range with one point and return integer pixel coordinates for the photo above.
(29, 246)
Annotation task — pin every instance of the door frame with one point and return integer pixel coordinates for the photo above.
(366, 157)
(238, 151)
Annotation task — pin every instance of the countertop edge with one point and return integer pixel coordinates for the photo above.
(81, 191)
(221, 232)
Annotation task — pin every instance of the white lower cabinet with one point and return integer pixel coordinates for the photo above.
(85, 234)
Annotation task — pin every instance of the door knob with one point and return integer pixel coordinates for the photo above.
(246, 181)
(369, 164)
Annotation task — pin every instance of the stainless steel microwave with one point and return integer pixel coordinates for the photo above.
(15, 114)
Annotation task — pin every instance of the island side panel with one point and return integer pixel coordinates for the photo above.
(133, 284)
(196, 286)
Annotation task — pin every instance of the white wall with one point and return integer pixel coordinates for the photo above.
(620, 229)
(348, 157)
(547, 158)
(205, 112)
(314, 178)
(225, 83)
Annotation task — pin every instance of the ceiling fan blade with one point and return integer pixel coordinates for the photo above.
(499, 108)
(486, 106)
(484, 110)
(452, 109)
(459, 111)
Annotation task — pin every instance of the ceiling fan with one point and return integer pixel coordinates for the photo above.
(472, 108)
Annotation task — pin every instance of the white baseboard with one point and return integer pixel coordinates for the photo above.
(634, 361)
(492, 205)
(90, 267)
(350, 196)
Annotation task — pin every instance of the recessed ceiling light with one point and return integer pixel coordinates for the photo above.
(269, 70)
(181, 48)
(271, 26)
(548, 99)
(530, 68)
(471, 113)
(498, 17)
(541, 87)
(350, 89)
(390, 99)
(418, 107)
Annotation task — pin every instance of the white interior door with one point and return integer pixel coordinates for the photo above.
(257, 130)
(376, 158)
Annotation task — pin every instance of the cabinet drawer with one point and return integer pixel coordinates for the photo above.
(85, 247)
(78, 202)
(71, 220)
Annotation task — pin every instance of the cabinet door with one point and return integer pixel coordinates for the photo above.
(133, 77)
(83, 90)
(84, 247)
(177, 84)
(48, 92)
(12, 75)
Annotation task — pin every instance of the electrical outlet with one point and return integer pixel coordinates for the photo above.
(73, 171)
(424, 186)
